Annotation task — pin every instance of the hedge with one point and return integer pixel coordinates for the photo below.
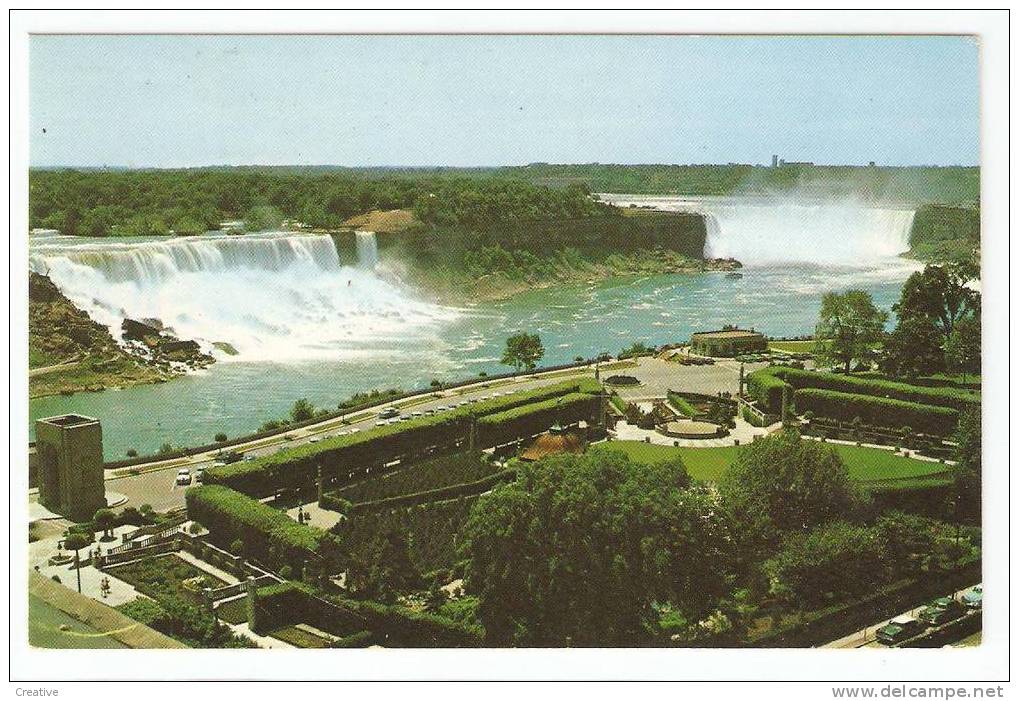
(298, 465)
(525, 421)
(291, 603)
(879, 411)
(937, 396)
(454, 491)
(395, 626)
(764, 387)
(444, 471)
(265, 532)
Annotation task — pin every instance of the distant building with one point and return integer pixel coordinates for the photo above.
(725, 343)
(774, 161)
(871, 164)
(69, 465)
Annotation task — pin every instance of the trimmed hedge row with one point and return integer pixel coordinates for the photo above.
(454, 491)
(265, 532)
(766, 389)
(290, 603)
(879, 411)
(527, 420)
(444, 471)
(298, 465)
(395, 626)
(937, 396)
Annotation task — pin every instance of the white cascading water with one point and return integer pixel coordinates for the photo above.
(769, 231)
(272, 296)
(367, 249)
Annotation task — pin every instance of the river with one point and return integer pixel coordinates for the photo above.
(308, 325)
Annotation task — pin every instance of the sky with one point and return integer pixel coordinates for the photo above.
(175, 101)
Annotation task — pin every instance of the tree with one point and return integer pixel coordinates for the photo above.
(302, 410)
(220, 438)
(849, 326)
(106, 520)
(939, 323)
(962, 348)
(75, 541)
(385, 570)
(833, 560)
(907, 539)
(939, 294)
(523, 350)
(581, 549)
(913, 349)
(782, 484)
(968, 465)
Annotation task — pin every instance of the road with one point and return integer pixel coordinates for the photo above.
(154, 483)
(865, 636)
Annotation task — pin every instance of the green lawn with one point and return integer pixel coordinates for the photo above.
(792, 346)
(868, 465)
(299, 637)
(50, 627)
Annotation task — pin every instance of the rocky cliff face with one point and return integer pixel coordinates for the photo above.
(58, 330)
(70, 352)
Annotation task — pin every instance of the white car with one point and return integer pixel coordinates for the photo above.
(183, 476)
(381, 422)
(315, 439)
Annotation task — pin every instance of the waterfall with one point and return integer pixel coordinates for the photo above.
(819, 234)
(271, 296)
(367, 249)
(767, 231)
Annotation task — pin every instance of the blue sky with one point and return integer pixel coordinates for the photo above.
(170, 101)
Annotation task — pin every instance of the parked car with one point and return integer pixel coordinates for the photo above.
(898, 629)
(381, 422)
(200, 474)
(974, 598)
(183, 476)
(315, 439)
(941, 611)
(389, 412)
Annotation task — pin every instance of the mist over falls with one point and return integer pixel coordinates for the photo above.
(271, 296)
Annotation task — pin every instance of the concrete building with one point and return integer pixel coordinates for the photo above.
(69, 465)
(726, 343)
(774, 161)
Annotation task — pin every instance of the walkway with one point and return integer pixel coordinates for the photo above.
(743, 432)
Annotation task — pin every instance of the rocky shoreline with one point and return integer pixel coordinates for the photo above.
(70, 352)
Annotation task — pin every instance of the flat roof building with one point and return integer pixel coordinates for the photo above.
(69, 465)
(725, 343)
